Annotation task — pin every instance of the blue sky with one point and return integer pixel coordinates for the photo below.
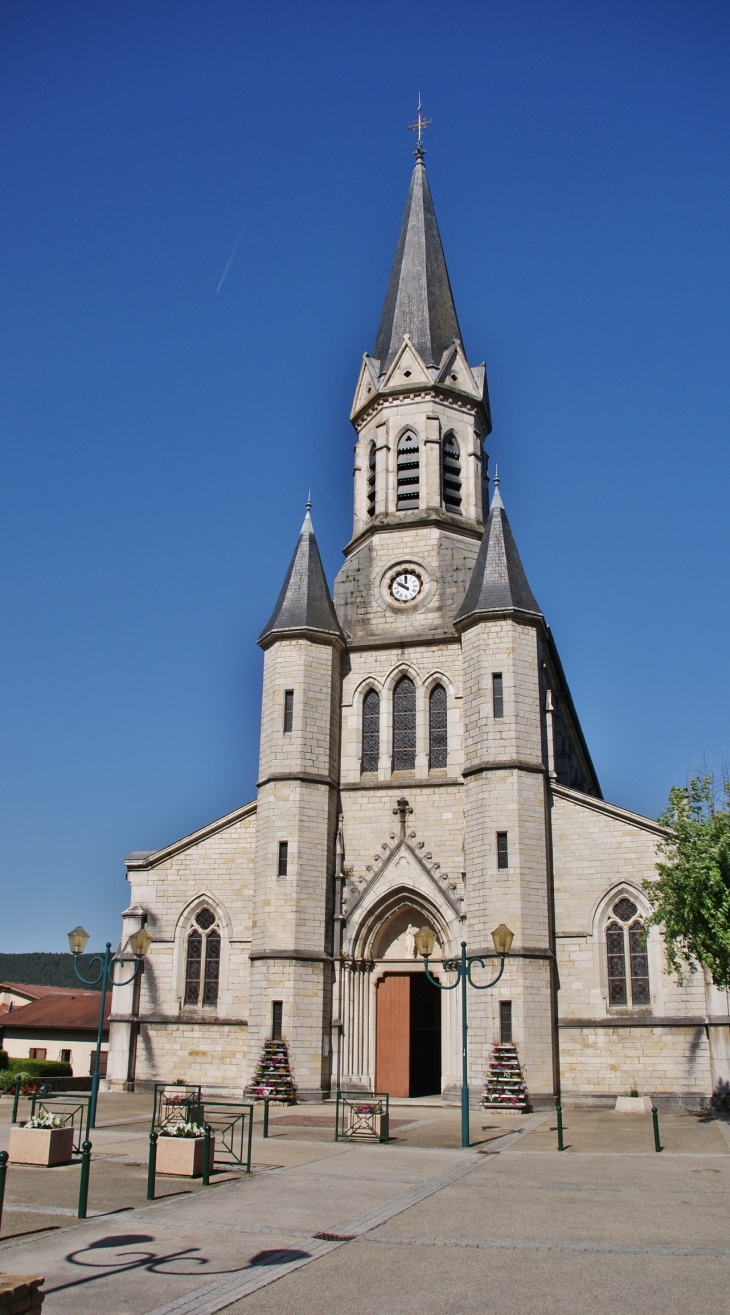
(159, 436)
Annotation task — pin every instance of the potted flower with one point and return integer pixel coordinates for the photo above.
(180, 1150)
(45, 1139)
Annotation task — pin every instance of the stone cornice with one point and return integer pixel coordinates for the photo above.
(647, 1020)
(403, 641)
(304, 956)
(463, 402)
(506, 765)
(180, 1019)
(302, 632)
(408, 520)
(310, 778)
(400, 782)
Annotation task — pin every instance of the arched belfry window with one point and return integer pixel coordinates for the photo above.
(404, 725)
(371, 480)
(203, 960)
(626, 957)
(408, 472)
(437, 727)
(371, 731)
(451, 474)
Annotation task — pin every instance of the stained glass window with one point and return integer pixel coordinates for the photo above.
(628, 963)
(616, 964)
(371, 731)
(437, 727)
(639, 965)
(202, 960)
(404, 726)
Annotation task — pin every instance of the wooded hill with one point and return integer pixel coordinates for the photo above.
(45, 969)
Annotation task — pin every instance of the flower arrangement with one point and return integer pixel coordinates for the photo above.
(45, 1121)
(182, 1130)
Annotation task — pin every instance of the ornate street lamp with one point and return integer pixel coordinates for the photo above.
(425, 941)
(78, 939)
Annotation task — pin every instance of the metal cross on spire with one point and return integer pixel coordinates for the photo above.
(418, 126)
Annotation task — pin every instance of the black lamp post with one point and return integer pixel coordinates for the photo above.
(139, 944)
(425, 941)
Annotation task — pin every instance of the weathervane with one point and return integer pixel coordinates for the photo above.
(418, 126)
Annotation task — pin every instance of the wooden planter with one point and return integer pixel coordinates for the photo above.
(183, 1156)
(45, 1146)
(633, 1105)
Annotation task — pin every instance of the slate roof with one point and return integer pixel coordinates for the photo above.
(498, 582)
(419, 300)
(304, 602)
(78, 1011)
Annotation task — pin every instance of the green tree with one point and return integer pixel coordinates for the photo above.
(691, 896)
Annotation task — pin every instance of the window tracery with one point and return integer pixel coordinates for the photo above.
(438, 727)
(404, 725)
(202, 960)
(626, 957)
(370, 731)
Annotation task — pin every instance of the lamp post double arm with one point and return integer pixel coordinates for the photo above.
(78, 939)
(425, 941)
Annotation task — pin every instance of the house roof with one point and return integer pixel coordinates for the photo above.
(31, 992)
(76, 1010)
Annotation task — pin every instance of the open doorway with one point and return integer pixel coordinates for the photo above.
(408, 1036)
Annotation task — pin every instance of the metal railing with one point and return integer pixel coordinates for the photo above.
(361, 1117)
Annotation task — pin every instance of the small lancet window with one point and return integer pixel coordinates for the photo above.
(404, 726)
(408, 472)
(371, 731)
(451, 474)
(203, 960)
(371, 480)
(288, 710)
(497, 694)
(437, 727)
(626, 958)
(502, 850)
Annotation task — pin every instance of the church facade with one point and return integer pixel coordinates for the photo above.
(421, 764)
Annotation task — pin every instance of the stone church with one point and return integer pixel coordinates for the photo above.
(421, 764)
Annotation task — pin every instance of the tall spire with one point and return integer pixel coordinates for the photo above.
(304, 605)
(419, 300)
(498, 582)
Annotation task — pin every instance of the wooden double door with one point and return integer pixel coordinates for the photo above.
(408, 1035)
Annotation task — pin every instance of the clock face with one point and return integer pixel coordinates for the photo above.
(405, 587)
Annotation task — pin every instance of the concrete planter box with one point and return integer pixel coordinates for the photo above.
(45, 1146)
(633, 1105)
(183, 1156)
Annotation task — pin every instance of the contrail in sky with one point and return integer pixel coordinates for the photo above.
(231, 258)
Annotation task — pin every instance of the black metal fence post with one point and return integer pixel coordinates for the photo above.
(15, 1100)
(559, 1109)
(152, 1167)
(84, 1183)
(266, 1116)
(655, 1120)
(3, 1172)
(206, 1156)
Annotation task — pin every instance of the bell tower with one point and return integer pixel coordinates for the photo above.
(421, 414)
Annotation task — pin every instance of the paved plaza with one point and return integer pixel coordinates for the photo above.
(419, 1226)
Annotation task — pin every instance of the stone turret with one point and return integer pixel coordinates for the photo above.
(297, 813)
(506, 856)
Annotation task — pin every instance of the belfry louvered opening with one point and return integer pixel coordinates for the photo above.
(371, 480)
(451, 474)
(408, 472)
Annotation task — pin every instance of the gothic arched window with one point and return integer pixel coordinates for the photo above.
(203, 960)
(371, 731)
(408, 472)
(628, 965)
(437, 727)
(404, 725)
(451, 474)
(371, 480)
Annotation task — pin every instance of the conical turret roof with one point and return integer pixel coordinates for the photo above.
(498, 582)
(304, 603)
(419, 300)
